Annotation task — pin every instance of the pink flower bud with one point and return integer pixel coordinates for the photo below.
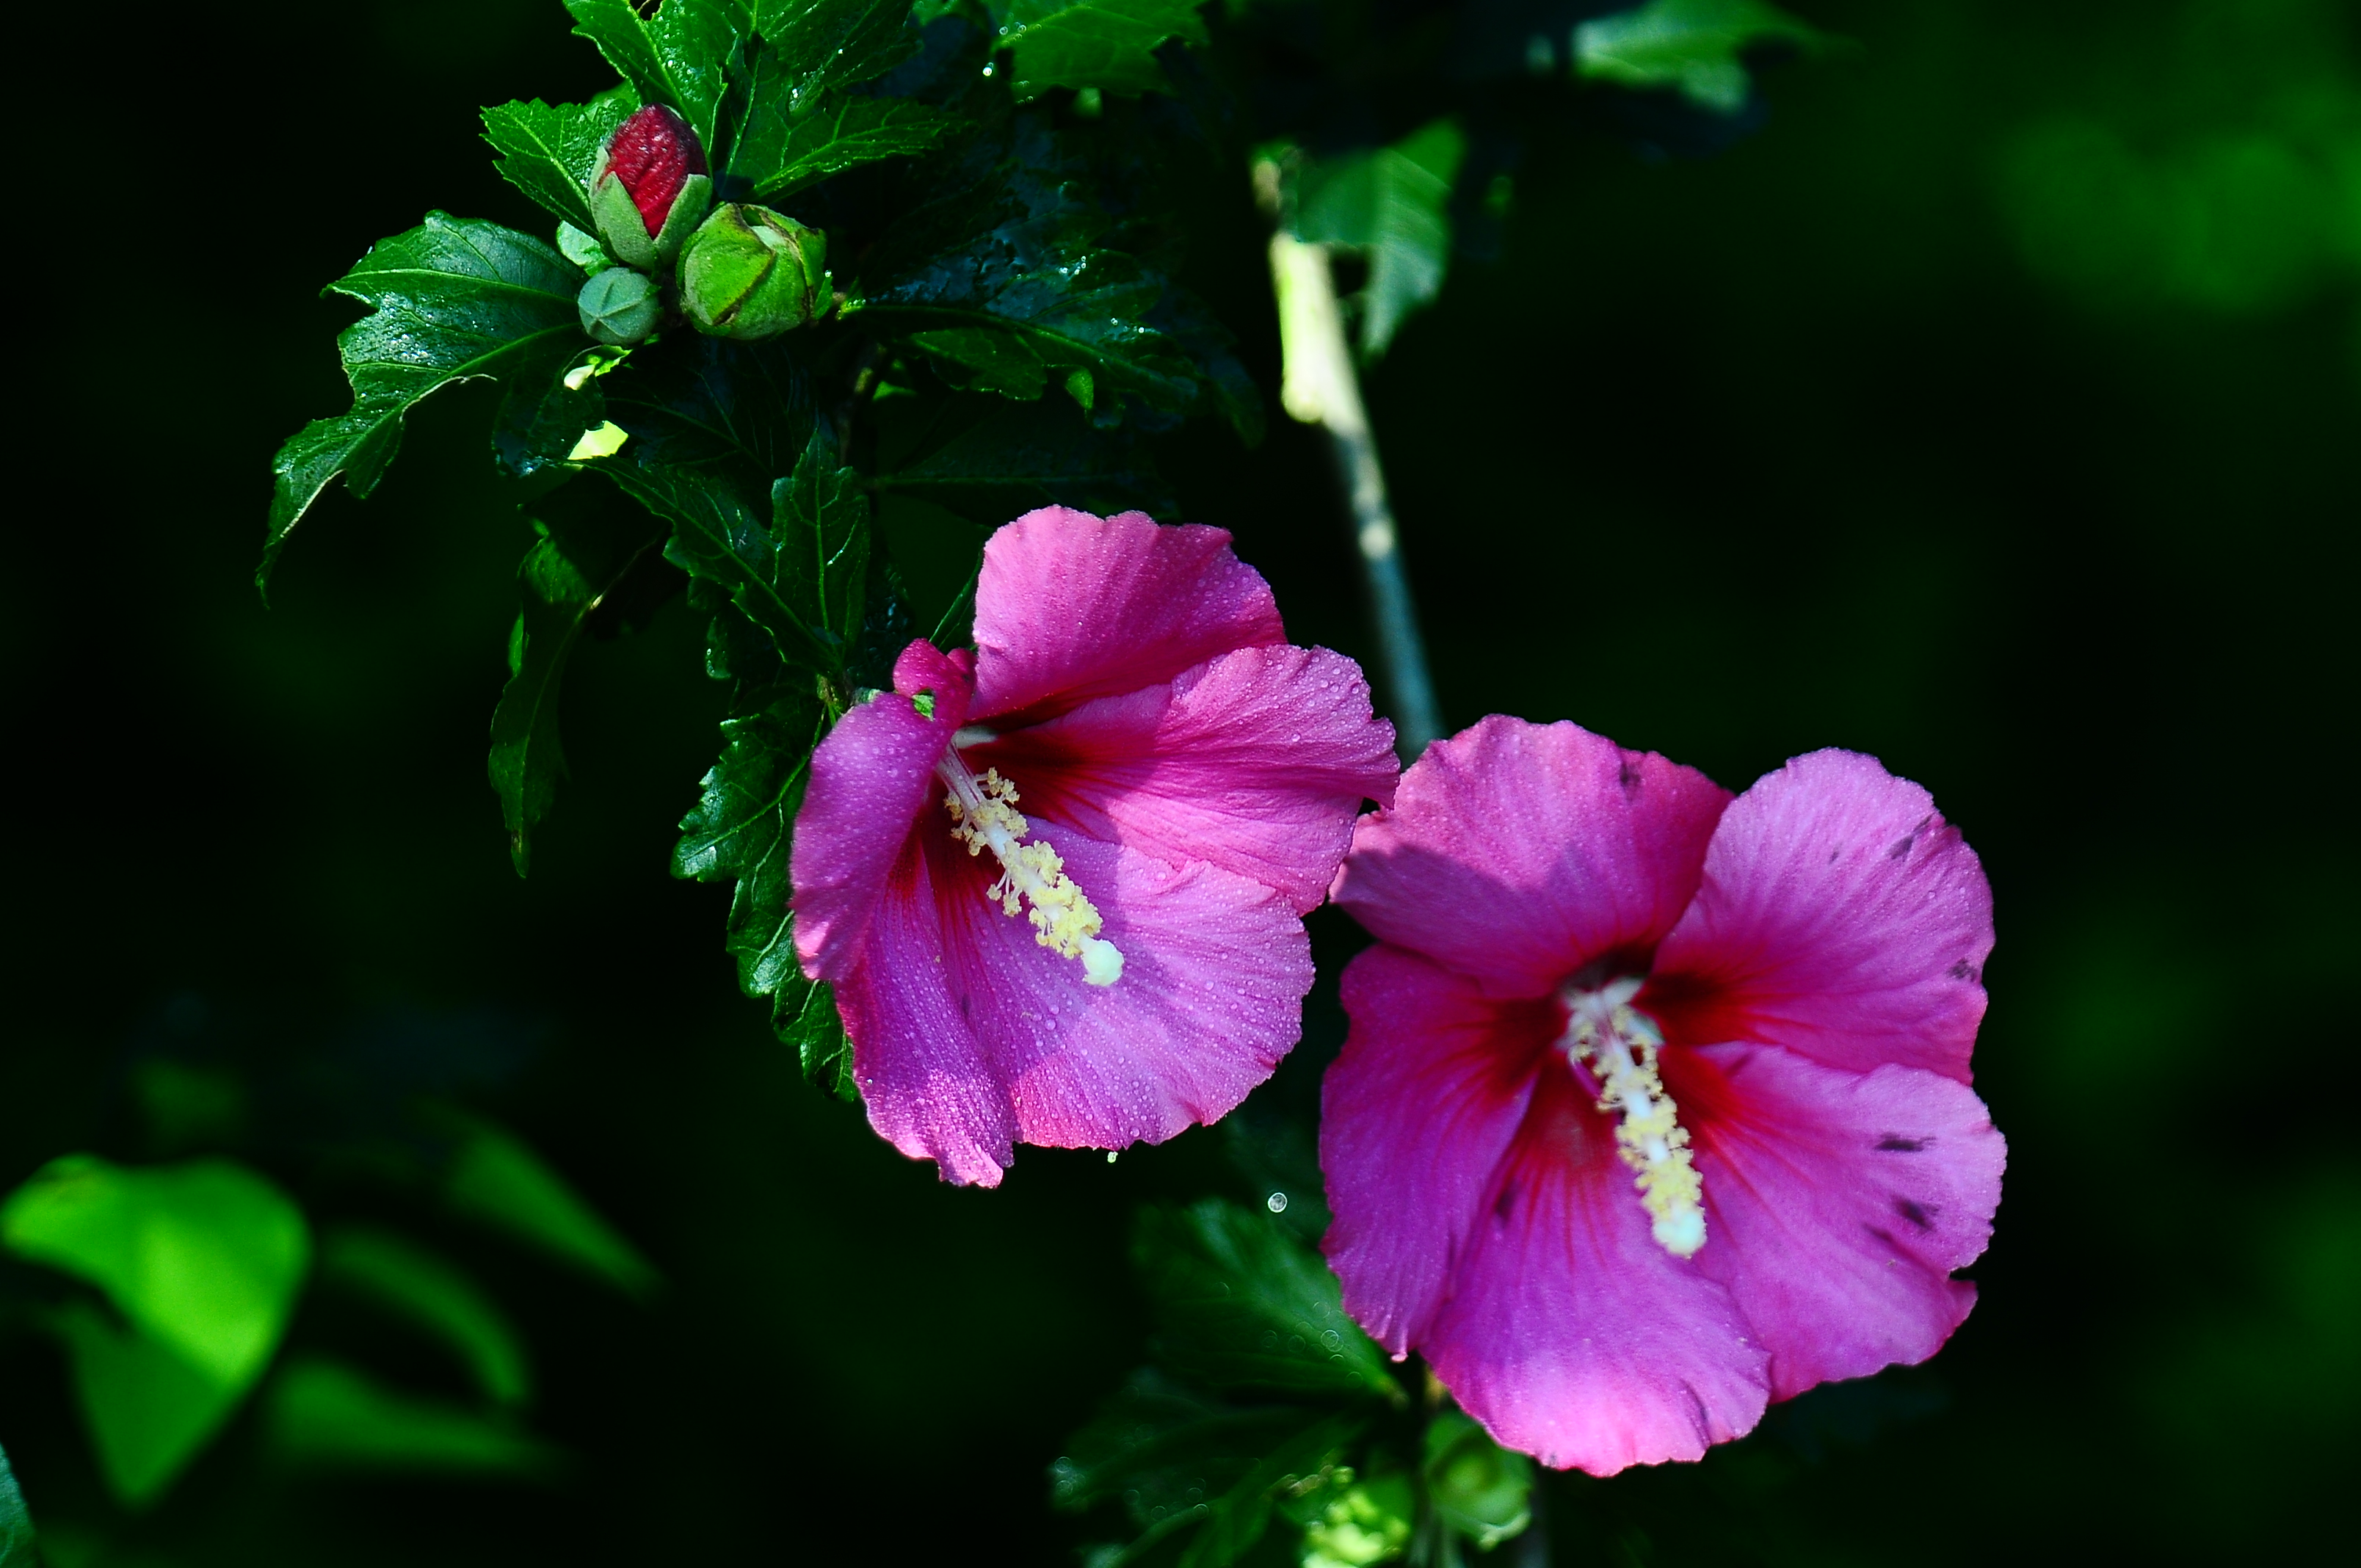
(650, 187)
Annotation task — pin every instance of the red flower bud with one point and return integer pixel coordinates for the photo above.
(653, 153)
(650, 187)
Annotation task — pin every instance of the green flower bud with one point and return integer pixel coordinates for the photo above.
(750, 272)
(618, 306)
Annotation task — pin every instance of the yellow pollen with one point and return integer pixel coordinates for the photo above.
(984, 817)
(1621, 1045)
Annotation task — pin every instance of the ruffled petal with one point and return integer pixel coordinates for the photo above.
(1256, 762)
(905, 999)
(1516, 853)
(871, 778)
(1837, 1204)
(1071, 606)
(1572, 1334)
(969, 1035)
(1839, 917)
(1214, 971)
(1417, 1113)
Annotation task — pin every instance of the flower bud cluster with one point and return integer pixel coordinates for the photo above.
(662, 250)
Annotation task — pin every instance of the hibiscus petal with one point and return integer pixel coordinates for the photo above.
(1215, 968)
(1516, 853)
(1573, 1335)
(871, 778)
(1841, 917)
(1837, 1204)
(1071, 607)
(969, 1035)
(1417, 1113)
(924, 1079)
(1256, 762)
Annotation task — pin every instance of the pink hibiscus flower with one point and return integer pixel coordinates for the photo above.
(1655, 1106)
(1058, 883)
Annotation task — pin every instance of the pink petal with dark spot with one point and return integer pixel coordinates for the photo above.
(1841, 917)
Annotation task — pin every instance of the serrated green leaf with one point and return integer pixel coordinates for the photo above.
(742, 828)
(431, 1292)
(1006, 279)
(820, 518)
(813, 1028)
(1242, 1304)
(616, 27)
(1106, 44)
(324, 1414)
(16, 1549)
(540, 423)
(715, 535)
(547, 151)
(1391, 204)
(453, 300)
(777, 156)
(827, 44)
(584, 553)
(1694, 46)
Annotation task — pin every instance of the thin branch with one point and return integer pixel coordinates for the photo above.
(1320, 386)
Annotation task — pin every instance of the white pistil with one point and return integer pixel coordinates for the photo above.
(1620, 1044)
(984, 817)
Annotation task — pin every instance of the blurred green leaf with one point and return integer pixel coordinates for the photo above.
(584, 553)
(1390, 203)
(1359, 1522)
(187, 1106)
(323, 1413)
(431, 1293)
(16, 1549)
(1107, 44)
(1235, 1521)
(204, 1257)
(547, 151)
(1242, 1304)
(453, 300)
(1162, 1449)
(150, 1409)
(1694, 46)
(1477, 1487)
(494, 1178)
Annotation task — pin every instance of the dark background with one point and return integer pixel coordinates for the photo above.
(1893, 427)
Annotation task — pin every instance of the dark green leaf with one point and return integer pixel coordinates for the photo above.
(1236, 1520)
(453, 300)
(547, 151)
(1154, 1444)
(1024, 456)
(584, 553)
(1391, 204)
(820, 518)
(1242, 1305)
(15, 1522)
(431, 1292)
(149, 1409)
(1108, 44)
(1694, 46)
(742, 828)
(542, 422)
(1004, 281)
(813, 1026)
